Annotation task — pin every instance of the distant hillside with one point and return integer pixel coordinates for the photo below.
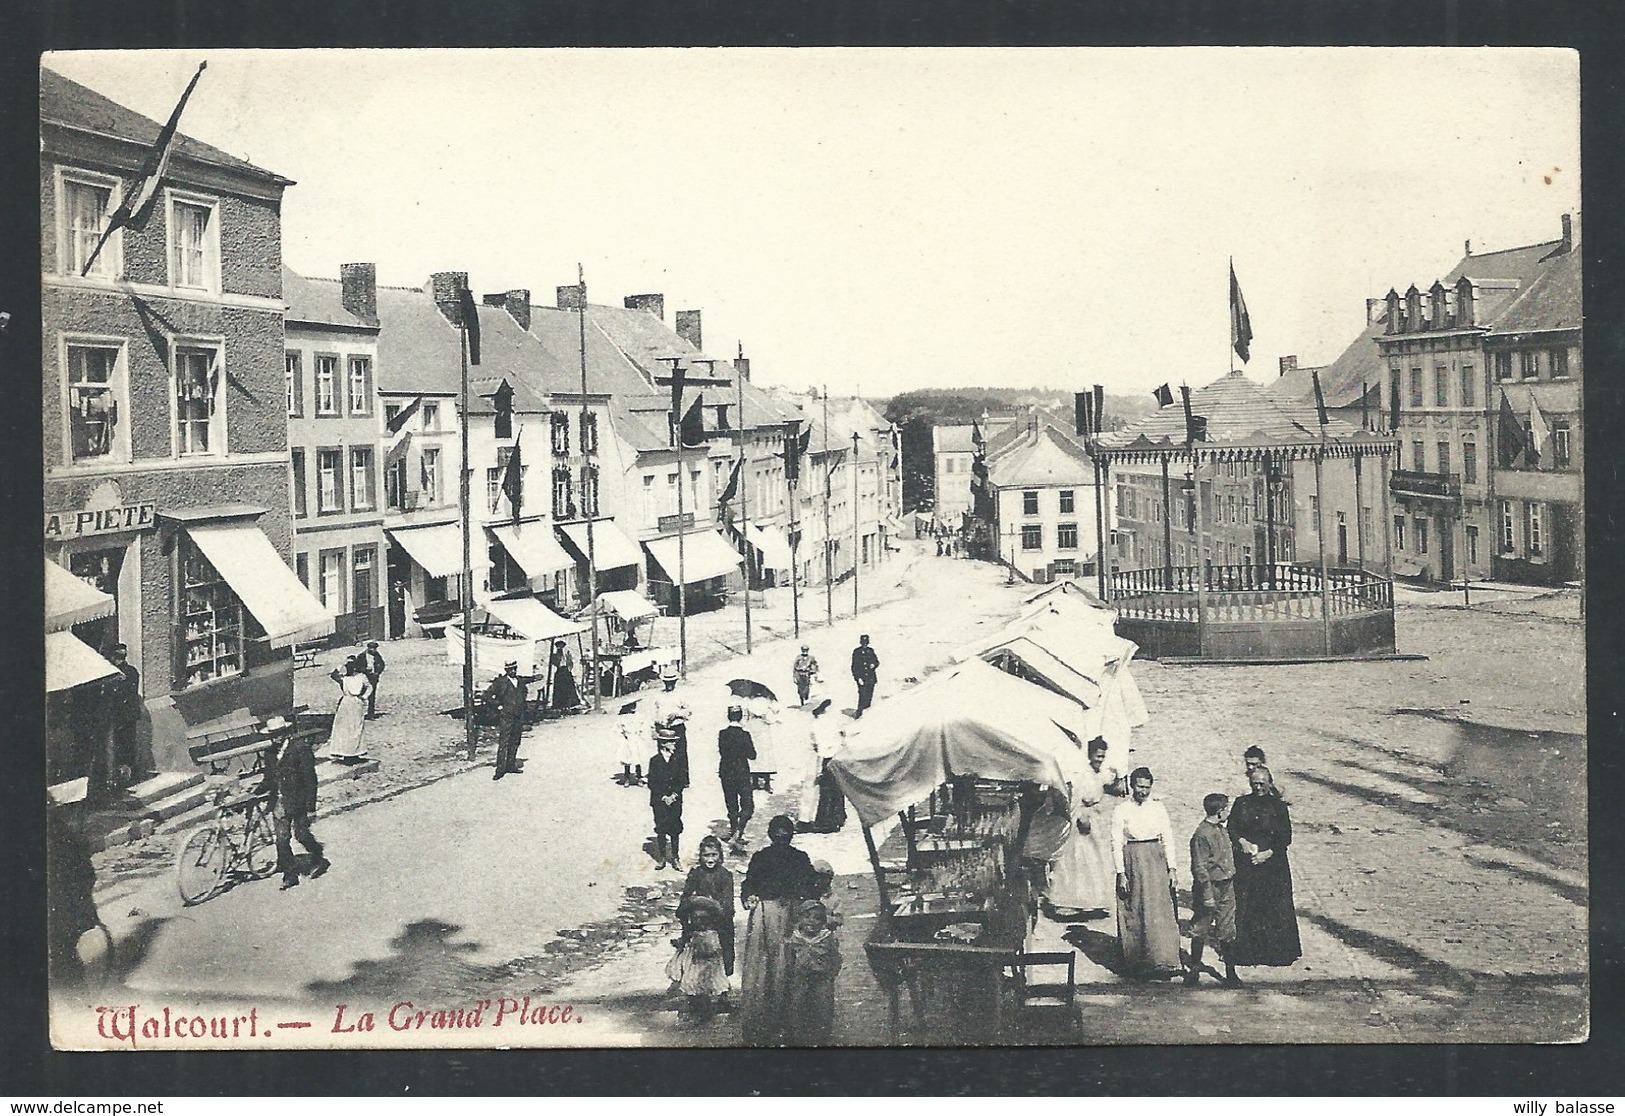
(916, 412)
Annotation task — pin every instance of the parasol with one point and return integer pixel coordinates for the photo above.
(747, 688)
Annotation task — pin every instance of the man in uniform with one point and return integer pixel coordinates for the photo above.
(802, 671)
(372, 665)
(507, 692)
(735, 750)
(865, 671)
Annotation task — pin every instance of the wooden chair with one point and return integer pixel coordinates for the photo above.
(1050, 1001)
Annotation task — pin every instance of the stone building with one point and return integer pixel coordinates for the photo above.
(1041, 499)
(953, 451)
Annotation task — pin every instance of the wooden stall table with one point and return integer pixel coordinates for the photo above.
(970, 970)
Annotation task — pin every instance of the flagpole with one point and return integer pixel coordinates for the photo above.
(829, 550)
(470, 730)
(682, 584)
(792, 478)
(744, 489)
(855, 547)
(592, 553)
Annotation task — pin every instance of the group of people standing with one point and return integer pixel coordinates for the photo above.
(1121, 855)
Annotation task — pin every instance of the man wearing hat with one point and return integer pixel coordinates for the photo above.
(291, 779)
(735, 750)
(803, 670)
(123, 693)
(865, 671)
(507, 692)
(372, 665)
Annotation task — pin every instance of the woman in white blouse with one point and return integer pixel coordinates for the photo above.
(1147, 924)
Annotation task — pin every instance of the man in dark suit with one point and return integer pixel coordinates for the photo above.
(865, 671)
(507, 693)
(735, 750)
(372, 665)
(123, 693)
(292, 783)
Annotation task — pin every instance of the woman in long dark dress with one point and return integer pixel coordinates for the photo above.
(1266, 917)
(778, 879)
(566, 696)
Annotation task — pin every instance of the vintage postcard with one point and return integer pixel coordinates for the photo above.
(809, 548)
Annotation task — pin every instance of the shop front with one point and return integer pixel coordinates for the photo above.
(618, 559)
(703, 561)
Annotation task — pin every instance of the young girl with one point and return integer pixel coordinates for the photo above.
(697, 967)
(815, 958)
(712, 881)
(826, 894)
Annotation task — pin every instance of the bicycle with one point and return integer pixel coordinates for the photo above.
(217, 855)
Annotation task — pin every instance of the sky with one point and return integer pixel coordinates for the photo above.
(882, 220)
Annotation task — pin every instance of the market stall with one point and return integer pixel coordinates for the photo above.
(630, 654)
(519, 629)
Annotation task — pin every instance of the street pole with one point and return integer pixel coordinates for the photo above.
(744, 490)
(792, 479)
(1320, 532)
(855, 548)
(829, 542)
(591, 513)
(470, 730)
(682, 582)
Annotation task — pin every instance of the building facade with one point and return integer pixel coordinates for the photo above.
(1045, 518)
(953, 450)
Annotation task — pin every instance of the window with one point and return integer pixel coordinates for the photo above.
(651, 510)
(1420, 523)
(1066, 565)
(1419, 457)
(1509, 528)
(329, 481)
(561, 433)
(194, 248)
(1365, 525)
(589, 432)
(93, 389)
(1472, 545)
(1230, 508)
(1246, 508)
(85, 206)
(1246, 555)
(589, 490)
(327, 389)
(395, 484)
(431, 475)
(301, 566)
(1559, 359)
(197, 379)
(1562, 445)
(392, 411)
(671, 494)
(363, 487)
(1399, 532)
(493, 479)
(211, 622)
(300, 510)
(1529, 364)
(1441, 386)
(563, 491)
(1066, 536)
(293, 379)
(1032, 537)
(1029, 503)
(360, 381)
(1469, 388)
(1444, 457)
(1067, 501)
(1503, 366)
(1416, 387)
(1469, 463)
(431, 416)
(1314, 512)
(1534, 533)
(330, 581)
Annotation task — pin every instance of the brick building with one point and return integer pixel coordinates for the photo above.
(166, 438)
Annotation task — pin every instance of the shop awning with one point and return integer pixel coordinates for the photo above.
(69, 662)
(532, 619)
(610, 546)
(439, 549)
(629, 606)
(774, 546)
(706, 554)
(69, 601)
(533, 546)
(242, 555)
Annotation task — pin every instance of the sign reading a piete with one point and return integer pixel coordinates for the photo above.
(99, 521)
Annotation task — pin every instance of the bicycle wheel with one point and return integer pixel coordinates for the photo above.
(200, 865)
(259, 856)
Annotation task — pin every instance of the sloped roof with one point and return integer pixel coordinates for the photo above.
(1554, 300)
(952, 439)
(1238, 412)
(64, 101)
(419, 350)
(609, 371)
(317, 301)
(1341, 380)
(1043, 457)
(1014, 433)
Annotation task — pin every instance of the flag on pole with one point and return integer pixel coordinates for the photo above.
(1100, 408)
(1320, 396)
(1508, 434)
(136, 205)
(1195, 425)
(470, 315)
(1393, 404)
(404, 415)
(1083, 408)
(732, 488)
(677, 380)
(398, 448)
(513, 482)
(1241, 325)
(1365, 413)
(692, 429)
(1164, 396)
(1539, 431)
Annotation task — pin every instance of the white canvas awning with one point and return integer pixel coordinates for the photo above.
(773, 544)
(532, 619)
(533, 546)
(611, 548)
(706, 554)
(70, 662)
(70, 601)
(439, 549)
(242, 555)
(631, 607)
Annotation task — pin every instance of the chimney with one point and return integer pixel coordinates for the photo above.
(688, 327)
(568, 298)
(1568, 232)
(1467, 248)
(1290, 363)
(742, 363)
(443, 287)
(359, 285)
(653, 303)
(1373, 310)
(517, 304)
